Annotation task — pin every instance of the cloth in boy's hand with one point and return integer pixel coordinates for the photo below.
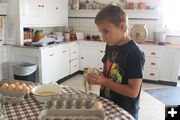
(88, 85)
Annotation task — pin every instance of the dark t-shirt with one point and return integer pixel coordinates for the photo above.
(120, 64)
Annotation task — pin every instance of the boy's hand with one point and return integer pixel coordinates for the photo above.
(96, 79)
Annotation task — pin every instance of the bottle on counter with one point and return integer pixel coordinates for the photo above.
(75, 4)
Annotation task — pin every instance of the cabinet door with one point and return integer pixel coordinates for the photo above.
(51, 66)
(101, 55)
(89, 57)
(29, 10)
(64, 62)
(62, 13)
(74, 52)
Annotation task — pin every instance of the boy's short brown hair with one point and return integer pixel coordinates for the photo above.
(112, 14)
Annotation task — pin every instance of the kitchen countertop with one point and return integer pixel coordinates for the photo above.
(52, 45)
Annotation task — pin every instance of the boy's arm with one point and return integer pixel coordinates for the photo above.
(131, 89)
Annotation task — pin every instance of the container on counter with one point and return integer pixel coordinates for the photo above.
(75, 4)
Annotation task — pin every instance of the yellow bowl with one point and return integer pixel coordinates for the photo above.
(44, 93)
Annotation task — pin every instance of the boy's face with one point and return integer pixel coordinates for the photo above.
(111, 34)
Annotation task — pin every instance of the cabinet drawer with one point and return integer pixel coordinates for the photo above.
(74, 66)
(151, 74)
(73, 52)
(152, 62)
(152, 52)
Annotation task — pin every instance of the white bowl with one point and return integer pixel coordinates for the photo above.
(38, 90)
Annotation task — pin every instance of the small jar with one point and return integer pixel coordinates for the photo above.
(75, 4)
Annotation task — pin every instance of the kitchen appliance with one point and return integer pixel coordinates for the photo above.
(138, 33)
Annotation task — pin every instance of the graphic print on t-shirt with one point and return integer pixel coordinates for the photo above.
(111, 71)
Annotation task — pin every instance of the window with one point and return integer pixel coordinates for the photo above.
(172, 17)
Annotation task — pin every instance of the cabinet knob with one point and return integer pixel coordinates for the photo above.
(153, 53)
(82, 57)
(42, 5)
(101, 51)
(64, 51)
(74, 52)
(152, 74)
(75, 66)
(57, 8)
(100, 68)
(51, 54)
(39, 5)
(153, 63)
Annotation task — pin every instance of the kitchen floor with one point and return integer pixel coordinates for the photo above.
(150, 107)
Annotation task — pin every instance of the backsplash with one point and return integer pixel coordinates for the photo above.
(87, 25)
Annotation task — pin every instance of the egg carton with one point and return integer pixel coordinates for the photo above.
(71, 101)
(72, 114)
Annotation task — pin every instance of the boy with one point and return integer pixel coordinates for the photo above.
(122, 75)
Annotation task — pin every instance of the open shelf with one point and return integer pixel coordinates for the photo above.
(132, 14)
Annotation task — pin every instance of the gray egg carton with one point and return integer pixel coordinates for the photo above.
(72, 114)
(71, 101)
(72, 107)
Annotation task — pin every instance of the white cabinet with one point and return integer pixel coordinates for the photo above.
(74, 57)
(161, 63)
(53, 61)
(54, 64)
(152, 63)
(44, 12)
(91, 54)
(34, 13)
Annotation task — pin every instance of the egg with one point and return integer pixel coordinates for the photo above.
(11, 86)
(16, 83)
(98, 105)
(23, 84)
(30, 87)
(18, 88)
(5, 86)
(25, 89)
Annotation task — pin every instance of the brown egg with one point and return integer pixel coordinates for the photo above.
(18, 88)
(25, 89)
(30, 87)
(5, 86)
(98, 105)
(23, 84)
(11, 86)
(16, 83)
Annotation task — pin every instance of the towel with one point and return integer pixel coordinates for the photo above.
(88, 85)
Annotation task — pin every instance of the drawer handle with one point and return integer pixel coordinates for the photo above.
(75, 66)
(56, 8)
(39, 5)
(153, 53)
(101, 51)
(82, 57)
(74, 52)
(64, 51)
(153, 63)
(152, 74)
(42, 5)
(51, 54)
